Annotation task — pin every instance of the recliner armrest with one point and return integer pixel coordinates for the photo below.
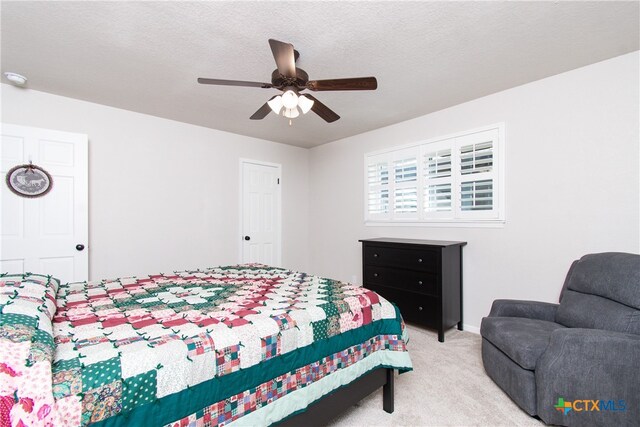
(592, 364)
(520, 308)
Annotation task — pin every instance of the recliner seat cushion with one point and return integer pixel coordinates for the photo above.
(518, 383)
(523, 340)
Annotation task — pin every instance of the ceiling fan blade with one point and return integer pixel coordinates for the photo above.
(357, 83)
(233, 83)
(284, 56)
(322, 110)
(262, 111)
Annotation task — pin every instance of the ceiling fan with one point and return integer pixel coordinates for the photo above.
(292, 80)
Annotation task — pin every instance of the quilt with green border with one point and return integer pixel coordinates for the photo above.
(173, 348)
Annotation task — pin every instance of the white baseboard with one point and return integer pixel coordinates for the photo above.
(470, 328)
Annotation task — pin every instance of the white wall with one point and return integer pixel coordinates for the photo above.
(163, 195)
(572, 184)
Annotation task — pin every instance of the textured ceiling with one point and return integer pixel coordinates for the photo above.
(146, 56)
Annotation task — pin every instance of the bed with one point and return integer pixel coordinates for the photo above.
(247, 344)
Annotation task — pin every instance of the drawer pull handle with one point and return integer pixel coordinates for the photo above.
(375, 274)
(375, 255)
(419, 282)
(420, 308)
(419, 259)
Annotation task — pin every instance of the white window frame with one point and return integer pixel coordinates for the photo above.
(457, 217)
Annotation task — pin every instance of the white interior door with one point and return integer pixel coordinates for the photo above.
(48, 234)
(260, 212)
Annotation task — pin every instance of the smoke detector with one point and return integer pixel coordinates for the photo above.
(16, 79)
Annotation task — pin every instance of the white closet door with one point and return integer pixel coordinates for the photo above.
(260, 213)
(48, 234)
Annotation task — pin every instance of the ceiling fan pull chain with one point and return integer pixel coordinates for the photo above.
(289, 122)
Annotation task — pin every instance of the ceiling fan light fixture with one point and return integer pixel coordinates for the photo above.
(291, 113)
(290, 81)
(289, 99)
(305, 104)
(276, 104)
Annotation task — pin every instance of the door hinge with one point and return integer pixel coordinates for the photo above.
(278, 180)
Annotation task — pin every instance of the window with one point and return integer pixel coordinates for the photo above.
(378, 182)
(405, 182)
(457, 179)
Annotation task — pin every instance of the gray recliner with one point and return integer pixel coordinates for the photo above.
(577, 362)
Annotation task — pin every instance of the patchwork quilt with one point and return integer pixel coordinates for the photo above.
(249, 344)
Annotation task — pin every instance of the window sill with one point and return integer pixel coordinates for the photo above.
(494, 223)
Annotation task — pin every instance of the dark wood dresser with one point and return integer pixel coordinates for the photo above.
(422, 277)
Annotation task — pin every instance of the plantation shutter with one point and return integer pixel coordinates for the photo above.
(405, 183)
(454, 179)
(477, 174)
(438, 180)
(378, 188)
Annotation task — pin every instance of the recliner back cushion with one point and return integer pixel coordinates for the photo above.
(579, 310)
(602, 291)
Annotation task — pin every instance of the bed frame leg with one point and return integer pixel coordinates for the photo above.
(387, 393)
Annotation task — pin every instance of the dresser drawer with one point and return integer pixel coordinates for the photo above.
(421, 309)
(415, 259)
(408, 280)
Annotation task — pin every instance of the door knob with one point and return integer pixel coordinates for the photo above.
(247, 238)
(79, 247)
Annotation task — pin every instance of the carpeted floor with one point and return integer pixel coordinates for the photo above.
(447, 387)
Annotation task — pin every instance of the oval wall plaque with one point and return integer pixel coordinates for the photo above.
(29, 180)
